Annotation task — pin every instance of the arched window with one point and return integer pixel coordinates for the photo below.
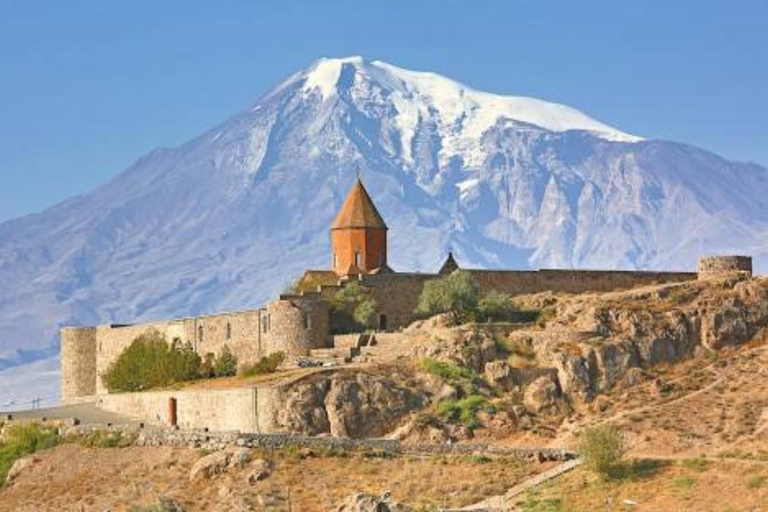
(200, 334)
(358, 259)
(307, 320)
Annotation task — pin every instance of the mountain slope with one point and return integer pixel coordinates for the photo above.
(226, 220)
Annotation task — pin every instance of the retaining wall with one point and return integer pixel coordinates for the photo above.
(215, 409)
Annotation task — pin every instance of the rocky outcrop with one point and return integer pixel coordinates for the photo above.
(219, 462)
(369, 503)
(347, 403)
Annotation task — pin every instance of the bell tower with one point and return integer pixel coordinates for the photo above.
(358, 235)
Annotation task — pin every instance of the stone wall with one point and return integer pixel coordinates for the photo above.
(215, 409)
(571, 281)
(711, 266)
(295, 325)
(78, 363)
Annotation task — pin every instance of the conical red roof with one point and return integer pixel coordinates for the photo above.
(358, 211)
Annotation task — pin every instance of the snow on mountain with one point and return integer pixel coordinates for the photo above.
(228, 219)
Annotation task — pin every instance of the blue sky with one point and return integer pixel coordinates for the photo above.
(86, 88)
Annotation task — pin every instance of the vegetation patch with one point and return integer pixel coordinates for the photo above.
(266, 364)
(150, 362)
(21, 440)
(355, 308)
(455, 294)
(603, 449)
(463, 410)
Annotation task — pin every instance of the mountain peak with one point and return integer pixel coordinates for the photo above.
(418, 95)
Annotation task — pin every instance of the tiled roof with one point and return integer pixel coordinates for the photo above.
(358, 211)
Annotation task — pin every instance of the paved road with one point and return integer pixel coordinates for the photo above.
(87, 413)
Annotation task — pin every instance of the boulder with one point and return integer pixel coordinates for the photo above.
(19, 466)
(499, 374)
(258, 470)
(541, 395)
(239, 457)
(724, 327)
(368, 503)
(210, 465)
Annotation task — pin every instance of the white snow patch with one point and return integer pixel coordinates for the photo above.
(324, 75)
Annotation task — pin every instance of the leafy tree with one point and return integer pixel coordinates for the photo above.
(354, 302)
(455, 294)
(603, 448)
(150, 361)
(226, 363)
(495, 306)
(206, 368)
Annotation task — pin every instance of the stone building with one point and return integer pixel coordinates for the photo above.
(303, 321)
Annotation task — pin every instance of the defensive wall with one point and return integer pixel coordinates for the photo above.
(294, 325)
(710, 266)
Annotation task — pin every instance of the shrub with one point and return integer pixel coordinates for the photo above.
(756, 481)
(463, 410)
(353, 302)
(267, 364)
(206, 368)
(446, 371)
(149, 361)
(602, 448)
(455, 294)
(495, 306)
(21, 440)
(226, 364)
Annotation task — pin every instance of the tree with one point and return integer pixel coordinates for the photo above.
(603, 448)
(495, 306)
(150, 361)
(353, 302)
(455, 294)
(226, 363)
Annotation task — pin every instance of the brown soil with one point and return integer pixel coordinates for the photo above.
(73, 477)
(670, 486)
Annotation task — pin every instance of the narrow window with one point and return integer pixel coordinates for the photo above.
(229, 331)
(200, 334)
(307, 320)
(335, 260)
(358, 259)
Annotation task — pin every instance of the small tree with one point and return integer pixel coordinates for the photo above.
(226, 363)
(353, 302)
(495, 306)
(603, 448)
(206, 368)
(365, 311)
(455, 294)
(150, 361)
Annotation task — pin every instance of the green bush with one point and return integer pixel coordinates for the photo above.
(446, 371)
(463, 410)
(207, 366)
(495, 307)
(603, 448)
(267, 364)
(455, 294)
(150, 361)
(226, 364)
(21, 440)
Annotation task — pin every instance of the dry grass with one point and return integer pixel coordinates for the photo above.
(71, 476)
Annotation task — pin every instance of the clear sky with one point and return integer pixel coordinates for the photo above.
(87, 87)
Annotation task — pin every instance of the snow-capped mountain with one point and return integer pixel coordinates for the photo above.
(226, 220)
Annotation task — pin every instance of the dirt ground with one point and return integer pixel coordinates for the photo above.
(669, 486)
(71, 477)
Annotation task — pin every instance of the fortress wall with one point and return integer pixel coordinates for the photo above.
(295, 325)
(571, 281)
(239, 331)
(397, 295)
(78, 363)
(216, 409)
(711, 266)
